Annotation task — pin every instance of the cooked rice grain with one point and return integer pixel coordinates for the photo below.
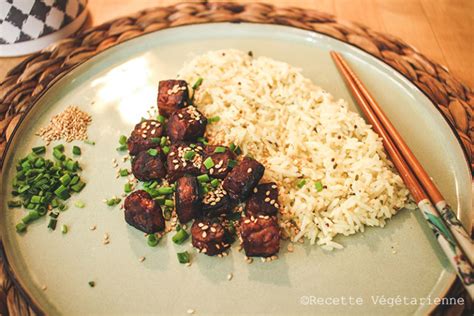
(298, 131)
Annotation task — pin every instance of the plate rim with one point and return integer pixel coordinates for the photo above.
(11, 270)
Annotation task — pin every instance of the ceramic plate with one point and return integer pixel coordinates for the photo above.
(116, 88)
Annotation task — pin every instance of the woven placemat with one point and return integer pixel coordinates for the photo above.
(29, 79)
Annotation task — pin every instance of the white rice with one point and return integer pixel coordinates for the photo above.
(298, 131)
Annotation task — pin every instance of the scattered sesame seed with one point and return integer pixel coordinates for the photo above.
(141, 259)
(230, 276)
(93, 227)
(44, 288)
(249, 170)
(190, 311)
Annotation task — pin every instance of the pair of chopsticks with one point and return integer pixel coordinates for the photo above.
(448, 230)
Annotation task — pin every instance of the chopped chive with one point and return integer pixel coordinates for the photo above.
(160, 119)
(203, 178)
(152, 152)
(54, 214)
(39, 150)
(79, 204)
(197, 84)
(189, 155)
(219, 150)
(180, 236)
(169, 203)
(152, 240)
(215, 183)
(122, 148)
(20, 227)
(64, 229)
(202, 140)
(319, 186)
(122, 140)
(301, 183)
(127, 188)
(214, 119)
(36, 199)
(123, 172)
(208, 163)
(14, 203)
(59, 147)
(183, 257)
(232, 163)
(165, 150)
(89, 142)
(52, 223)
(164, 190)
(91, 283)
(76, 150)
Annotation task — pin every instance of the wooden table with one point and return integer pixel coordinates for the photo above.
(441, 29)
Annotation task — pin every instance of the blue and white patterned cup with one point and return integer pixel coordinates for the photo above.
(27, 26)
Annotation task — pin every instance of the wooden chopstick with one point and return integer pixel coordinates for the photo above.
(446, 212)
(448, 243)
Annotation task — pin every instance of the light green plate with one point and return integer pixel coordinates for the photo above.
(117, 87)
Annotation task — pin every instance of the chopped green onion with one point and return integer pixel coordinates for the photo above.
(165, 150)
(203, 178)
(66, 179)
(59, 147)
(62, 192)
(30, 217)
(36, 199)
(183, 257)
(167, 213)
(214, 119)
(232, 163)
(202, 140)
(76, 150)
(89, 142)
(122, 140)
(169, 203)
(155, 140)
(301, 183)
(208, 163)
(58, 154)
(152, 152)
(219, 150)
(20, 227)
(91, 283)
(163, 140)
(197, 84)
(52, 223)
(164, 190)
(180, 236)
(215, 183)
(160, 119)
(127, 188)
(319, 186)
(14, 203)
(113, 201)
(152, 240)
(123, 172)
(64, 229)
(39, 150)
(189, 155)
(122, 148)
(79, 204)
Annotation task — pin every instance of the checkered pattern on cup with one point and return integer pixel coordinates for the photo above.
(25, 20)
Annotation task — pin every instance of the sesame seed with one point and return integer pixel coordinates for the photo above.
(267, 193)
(247, 221)
(267, 200)
(93, 227)
(141, 259)
(205, 227)
(44, 287)
(200, 224)
(290, 248)
(106, 242)
(213, 229)
(230, 276)
(190, 311)
(249, 170)
(255, 190)
(204, 234)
